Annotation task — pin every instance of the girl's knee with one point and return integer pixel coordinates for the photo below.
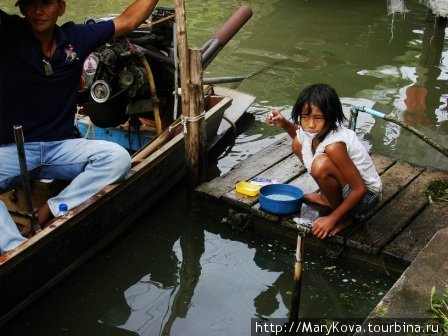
(321, 166)
(296, 148)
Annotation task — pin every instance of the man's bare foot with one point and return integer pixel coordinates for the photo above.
(341, 225)
(316, 198)
(25, 231)
(44, 215)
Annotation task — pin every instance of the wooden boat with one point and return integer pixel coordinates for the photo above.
(44, 259)
(51, 254)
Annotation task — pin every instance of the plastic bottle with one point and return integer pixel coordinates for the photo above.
(63, 208)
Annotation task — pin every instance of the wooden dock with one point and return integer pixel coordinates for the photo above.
(403, 223)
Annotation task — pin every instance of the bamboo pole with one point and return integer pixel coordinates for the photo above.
(295, 300)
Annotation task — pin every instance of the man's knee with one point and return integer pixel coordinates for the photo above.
(121, 161)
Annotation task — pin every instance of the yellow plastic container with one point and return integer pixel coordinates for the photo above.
(247, 188)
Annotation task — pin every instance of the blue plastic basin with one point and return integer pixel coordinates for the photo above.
(280, 199)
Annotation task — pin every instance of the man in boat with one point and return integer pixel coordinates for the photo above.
(40, 70)
(10, 236)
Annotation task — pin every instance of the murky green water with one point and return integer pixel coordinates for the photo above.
(182, 271)
(185, 272)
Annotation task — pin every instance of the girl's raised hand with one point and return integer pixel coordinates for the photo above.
(274, 117)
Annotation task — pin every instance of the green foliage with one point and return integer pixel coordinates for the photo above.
(381, 311)
(439, 307)
(437, 191)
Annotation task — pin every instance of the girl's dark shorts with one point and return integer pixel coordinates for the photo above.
(366, 206)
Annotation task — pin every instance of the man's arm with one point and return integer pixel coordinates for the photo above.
(133, 16)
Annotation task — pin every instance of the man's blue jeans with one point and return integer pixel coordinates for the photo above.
(10, 236)
(90, 165)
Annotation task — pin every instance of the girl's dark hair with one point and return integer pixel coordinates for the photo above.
(324, 97)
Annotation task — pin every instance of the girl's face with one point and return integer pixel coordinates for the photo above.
(314, 121)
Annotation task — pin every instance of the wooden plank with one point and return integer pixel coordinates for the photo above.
(282, 172)
(417, 234)
(391, 215)
(306, 183)
(382, 163)
(245, 170)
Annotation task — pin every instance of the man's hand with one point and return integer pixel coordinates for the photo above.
(133, 16)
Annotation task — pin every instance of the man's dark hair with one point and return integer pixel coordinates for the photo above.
(23, 2)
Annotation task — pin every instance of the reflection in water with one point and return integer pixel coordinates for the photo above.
(438, 7)
(159, 298)
(423, 103)
(186, 272)
(427, 72)
(396, 6)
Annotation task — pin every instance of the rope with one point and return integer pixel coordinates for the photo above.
(184, 120)
(90, 127)
(157, 22)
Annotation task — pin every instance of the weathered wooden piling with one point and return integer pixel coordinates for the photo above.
(191, 65)
(192, 98)
(196, 140)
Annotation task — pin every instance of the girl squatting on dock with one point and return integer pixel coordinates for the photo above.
(348, 181)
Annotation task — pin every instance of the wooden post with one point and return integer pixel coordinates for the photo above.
(192, 98)
(196, 139)
(184, 57)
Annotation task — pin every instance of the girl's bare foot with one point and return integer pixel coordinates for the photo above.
(316, 198)
(341, 225)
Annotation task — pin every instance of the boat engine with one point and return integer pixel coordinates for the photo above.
(118, 76)
(121, 77)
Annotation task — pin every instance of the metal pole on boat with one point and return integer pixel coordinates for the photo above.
(18, 136)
